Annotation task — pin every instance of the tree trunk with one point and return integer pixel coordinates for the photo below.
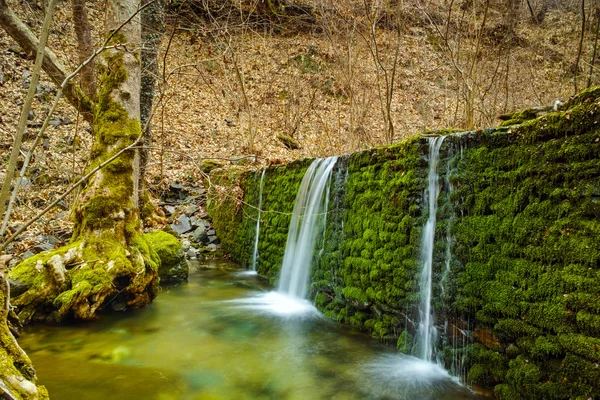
(152, 26)
(108, 261)
(17, 376)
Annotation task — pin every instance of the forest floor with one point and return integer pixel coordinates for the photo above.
(227, 97)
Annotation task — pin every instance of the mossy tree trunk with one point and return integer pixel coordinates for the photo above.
(108, 261)
(17, 376)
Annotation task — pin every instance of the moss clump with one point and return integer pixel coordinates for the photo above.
(517, 117)
(288, 141)
(173, 267)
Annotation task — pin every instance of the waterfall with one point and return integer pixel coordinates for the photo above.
(257, 230)
(308, 221)
(427, 334)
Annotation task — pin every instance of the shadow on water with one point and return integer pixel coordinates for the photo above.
(223, 335)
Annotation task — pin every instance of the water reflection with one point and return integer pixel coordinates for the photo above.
(224, 336)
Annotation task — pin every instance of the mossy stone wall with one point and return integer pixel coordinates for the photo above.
(517, 254)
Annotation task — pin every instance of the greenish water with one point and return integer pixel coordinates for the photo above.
(222, 336)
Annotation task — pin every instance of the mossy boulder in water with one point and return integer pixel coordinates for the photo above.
(173, 267)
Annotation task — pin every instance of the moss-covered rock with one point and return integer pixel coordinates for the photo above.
(173, 267)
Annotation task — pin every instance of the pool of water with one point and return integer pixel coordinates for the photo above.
(223, 335)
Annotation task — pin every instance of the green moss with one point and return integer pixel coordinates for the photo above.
(517, 117)
(523, 217)
(172, 265)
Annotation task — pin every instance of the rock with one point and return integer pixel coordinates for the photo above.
(31, 115)
(169, 210)
(200, 235)
(185, 244)
(55, 122)
(206, 224)
(176, 186)
(17, 287)
(3, 79)
(192, 253)
(173, 267)
(28, 254)
(212, 247)
(190, 210)
(182, 225)
(214, 239)
(288, 141)
(44, 246)
(211, 232)
(196, 222)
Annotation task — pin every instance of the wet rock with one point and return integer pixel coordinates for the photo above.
(182, 225)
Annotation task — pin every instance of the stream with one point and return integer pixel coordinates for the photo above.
(209, 339)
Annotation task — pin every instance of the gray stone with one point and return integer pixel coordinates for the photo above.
(192, 253)
(211, 232)
(195, 221)
(169, 210)
(176, 186)
(182, 225)
(212, 246)
(206, 224)
(200, 234)
(28, 254)
(214, 239)
(190, 209)
(38, 248)
(55, 122)
(17, 287)
(185, 245)
(31, 115)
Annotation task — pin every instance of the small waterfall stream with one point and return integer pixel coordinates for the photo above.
(308, 219)
(427, 334)
(257, 231)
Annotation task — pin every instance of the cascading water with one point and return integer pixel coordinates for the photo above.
(308, 219)
(257, 231)
(427, 334)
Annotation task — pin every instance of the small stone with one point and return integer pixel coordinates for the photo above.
(192, 253)
(169, 210)
(182, 225)
(211, 232)
(206, 224)
(190, 209)
(212, 247)
(176, 186)
(17, 287)
(200, 235)
(55, 122)
(38, 248)
(28, 254)
(66, 121)
(3, 79)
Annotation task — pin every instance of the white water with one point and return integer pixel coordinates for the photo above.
(427, 334)
(257, 230)
(308, 218)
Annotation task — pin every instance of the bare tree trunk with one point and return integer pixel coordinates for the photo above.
(152, 26)
(580, 49)
(86, 48)
(35, 76)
